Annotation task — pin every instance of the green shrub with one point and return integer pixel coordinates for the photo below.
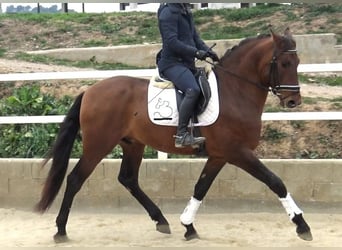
(273, 134)
(109, 28)
(248, 13)
(93, 43)
(319, 9)
(30, 140)
(2, 52)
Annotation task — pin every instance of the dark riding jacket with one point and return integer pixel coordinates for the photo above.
(179, 36)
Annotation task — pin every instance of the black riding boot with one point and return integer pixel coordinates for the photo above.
(183, 137)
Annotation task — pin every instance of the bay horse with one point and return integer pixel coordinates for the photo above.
(113, 112)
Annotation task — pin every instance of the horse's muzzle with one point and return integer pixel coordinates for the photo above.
(291, 101)
(291, 104)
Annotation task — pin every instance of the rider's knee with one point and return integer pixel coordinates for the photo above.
(193, 92)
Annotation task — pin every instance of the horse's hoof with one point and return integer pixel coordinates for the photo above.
(60, 238)
(190, 233)
(306, 236)
(303, 229)
(163, 228)
(191, 236)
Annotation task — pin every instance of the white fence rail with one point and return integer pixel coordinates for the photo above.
(269, 116)
(90, 74)
(320, 68)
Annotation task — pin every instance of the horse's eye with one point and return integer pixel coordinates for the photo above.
(286, 64)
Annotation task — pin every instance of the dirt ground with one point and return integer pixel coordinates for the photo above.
(20, 228)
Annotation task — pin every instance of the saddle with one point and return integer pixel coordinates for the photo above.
(202, 80)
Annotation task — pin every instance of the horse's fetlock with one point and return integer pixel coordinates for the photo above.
(156, 215)
(298, 219)
(128, 183)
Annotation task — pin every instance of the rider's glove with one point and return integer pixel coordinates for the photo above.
(201, 54)
(213, 56)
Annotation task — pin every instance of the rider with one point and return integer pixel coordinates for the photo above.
(176, 62)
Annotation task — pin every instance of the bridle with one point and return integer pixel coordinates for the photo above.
(274, 84)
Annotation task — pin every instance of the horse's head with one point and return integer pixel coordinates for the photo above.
(283, 70)
(269, 62)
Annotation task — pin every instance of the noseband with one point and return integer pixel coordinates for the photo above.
(275, 86)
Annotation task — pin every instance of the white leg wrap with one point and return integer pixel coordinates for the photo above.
(189, 213)
(290, 206)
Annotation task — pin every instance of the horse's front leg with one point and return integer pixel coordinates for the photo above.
(208, 175)
(252, 165)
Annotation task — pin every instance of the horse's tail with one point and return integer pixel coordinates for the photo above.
(60, 154)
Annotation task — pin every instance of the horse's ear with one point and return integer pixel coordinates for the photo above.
(287, 32)
(275, 36)
(270, 28)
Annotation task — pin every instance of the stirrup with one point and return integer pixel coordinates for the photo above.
(187, 139)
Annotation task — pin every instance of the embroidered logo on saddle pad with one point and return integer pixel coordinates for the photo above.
(162, 104)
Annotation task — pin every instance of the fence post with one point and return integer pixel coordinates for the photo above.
(162, 155)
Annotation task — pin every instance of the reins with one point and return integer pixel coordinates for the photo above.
(237, 76)
(274, 85)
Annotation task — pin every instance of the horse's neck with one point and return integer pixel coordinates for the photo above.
(244, 87)
(239, 93)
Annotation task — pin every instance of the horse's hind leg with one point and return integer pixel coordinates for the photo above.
(75, 180)
(257, 169)
(128, 177)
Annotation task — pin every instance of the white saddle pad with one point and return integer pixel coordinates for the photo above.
(162, 105)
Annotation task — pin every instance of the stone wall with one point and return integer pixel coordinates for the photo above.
(171, 181)
(313, 48)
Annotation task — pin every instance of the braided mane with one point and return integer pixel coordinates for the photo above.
(244, 42)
